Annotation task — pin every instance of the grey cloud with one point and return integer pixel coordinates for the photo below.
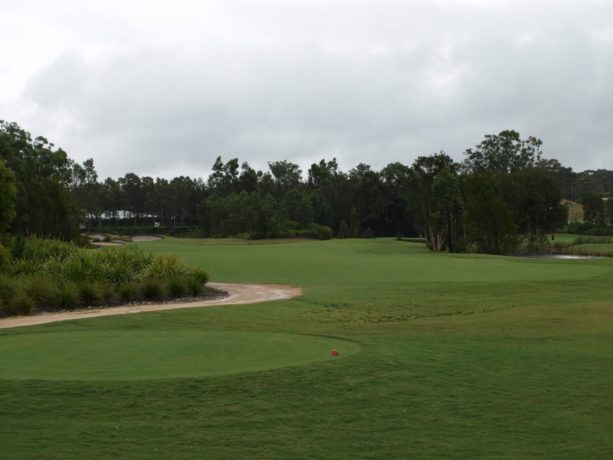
(364, 83)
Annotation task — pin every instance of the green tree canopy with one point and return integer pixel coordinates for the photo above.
(8, 196)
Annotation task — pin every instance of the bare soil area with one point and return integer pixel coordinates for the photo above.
(238, 294)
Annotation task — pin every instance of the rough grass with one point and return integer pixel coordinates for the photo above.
(460, 357)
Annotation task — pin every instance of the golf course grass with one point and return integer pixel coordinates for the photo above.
(446, 356)
(128, 355)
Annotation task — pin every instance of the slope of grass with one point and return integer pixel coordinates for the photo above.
(459, 357)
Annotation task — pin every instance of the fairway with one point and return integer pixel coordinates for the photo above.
(441, 356)
(128, 355)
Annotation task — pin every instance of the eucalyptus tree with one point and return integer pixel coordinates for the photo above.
(8, 196)
(287, 175)
(395, 178)
(422, 198)
(87, 191)
(43, 174)
(525, 184)
(505, 152)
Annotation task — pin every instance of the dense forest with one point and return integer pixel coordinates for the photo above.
(502, 196)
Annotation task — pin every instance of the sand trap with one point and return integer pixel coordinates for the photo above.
(238, 294)
(103, 244)
(140, 238)
(96, 236)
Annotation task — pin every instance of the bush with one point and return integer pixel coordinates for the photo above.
(128, 292)
(20, 304)
(45, 292)
(195, 287)
(58, 275)
(109, 294)
(9, 288)
(165, 267)
(69, 295)
(320, 232)
(152, 289)
(177, 287)
(90, 293)
(5, 259)
(200, 275)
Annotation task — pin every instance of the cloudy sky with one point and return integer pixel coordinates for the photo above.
(162, 88)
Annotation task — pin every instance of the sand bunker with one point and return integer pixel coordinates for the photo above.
(140, 238)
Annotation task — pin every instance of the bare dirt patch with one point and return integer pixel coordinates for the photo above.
(238, 294)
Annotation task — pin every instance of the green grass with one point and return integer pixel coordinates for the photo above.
(586, 245)
(460, 356)
(568, 238)
(601, 249)
(142, 355)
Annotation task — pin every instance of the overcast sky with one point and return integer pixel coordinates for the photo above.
(162, 88)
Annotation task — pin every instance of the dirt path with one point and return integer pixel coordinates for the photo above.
(238, 294)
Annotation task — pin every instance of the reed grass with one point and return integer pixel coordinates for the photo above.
(49, 275)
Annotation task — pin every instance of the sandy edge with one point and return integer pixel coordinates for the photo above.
(238, 294)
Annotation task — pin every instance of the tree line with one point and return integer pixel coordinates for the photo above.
(502, 195)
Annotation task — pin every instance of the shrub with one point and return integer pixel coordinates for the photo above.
(200, 275)
(90, 293)
(26, 267)
(195, 287)
(128, 292)
(177, 286)
(57, 275)
(109, 294)
(20, 304)
(8, 289)
(165, 267)
(5, 259)
(69, 295)
(45, 292)
(152, 289)
(41, 250)
(320, 232)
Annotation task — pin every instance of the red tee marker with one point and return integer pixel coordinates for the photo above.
(334, 352)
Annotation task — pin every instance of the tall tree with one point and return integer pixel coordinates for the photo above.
(534, 199)
(448, 207)
(422, 201)
(489, 221)
(287, 175)
(504, 152)
(396, 182)
(43, 175)
(8, 196)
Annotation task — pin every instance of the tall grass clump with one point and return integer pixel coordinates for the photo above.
(45, 291)
(152, 289)
(48, 275)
